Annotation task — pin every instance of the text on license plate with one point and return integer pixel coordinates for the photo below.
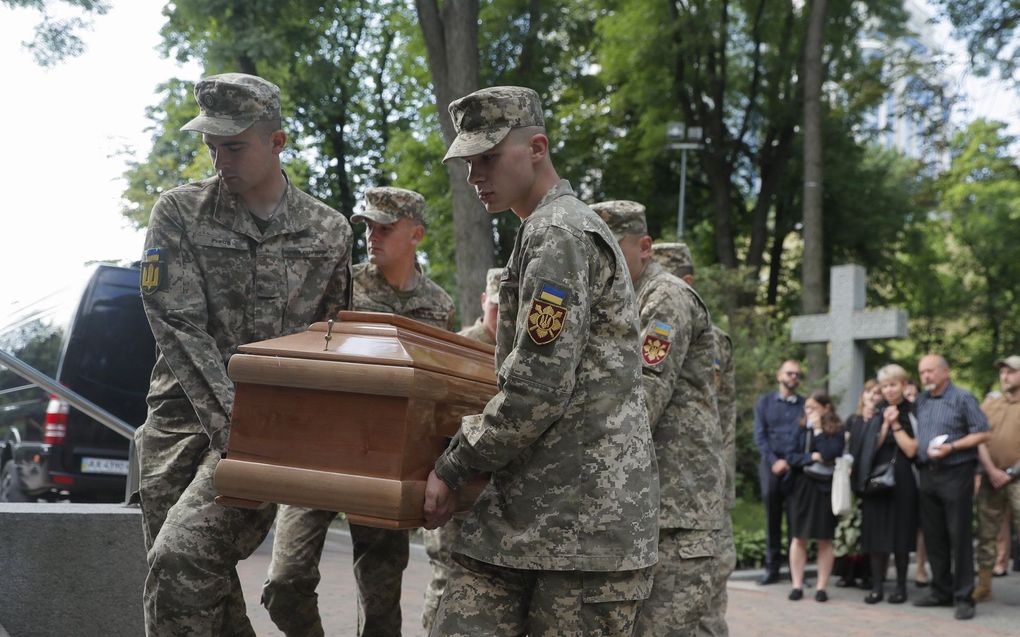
(104, 465)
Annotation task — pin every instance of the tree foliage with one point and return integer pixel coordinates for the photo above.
(360, 105)
(57, 38)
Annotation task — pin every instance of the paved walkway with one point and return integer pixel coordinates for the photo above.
(753, 610)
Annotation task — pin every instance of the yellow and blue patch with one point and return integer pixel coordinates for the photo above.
(552, 294)
(662, 330)
(656, 344)
(548, 313)
(152, 277)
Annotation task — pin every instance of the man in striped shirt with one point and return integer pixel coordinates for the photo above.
(950, 427)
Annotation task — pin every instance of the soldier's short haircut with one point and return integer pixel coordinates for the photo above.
(266, 127)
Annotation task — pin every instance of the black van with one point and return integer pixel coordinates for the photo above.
(51, 451)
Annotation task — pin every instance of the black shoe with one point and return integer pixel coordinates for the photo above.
(865, 583)
(931, 600)
(770, 577)
(898, 597)
(844, 582)
(795, 594)
(964, 610)
(821, 595)
(873, 598)
(921, 583)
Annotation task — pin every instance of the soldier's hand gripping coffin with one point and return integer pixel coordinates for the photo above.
(350, 416)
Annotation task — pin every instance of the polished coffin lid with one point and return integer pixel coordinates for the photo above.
(352, 422)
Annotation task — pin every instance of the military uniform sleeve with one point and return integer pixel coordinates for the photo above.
(178, 315)
(339, 293)
(535, 380)
(666, 317)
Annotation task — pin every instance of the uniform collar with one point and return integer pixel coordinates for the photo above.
(231, 213)
(561, 189)
(651, 270)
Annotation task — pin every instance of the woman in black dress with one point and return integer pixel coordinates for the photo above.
(889, 517)
(820, 439)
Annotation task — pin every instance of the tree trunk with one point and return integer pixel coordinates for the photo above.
(451, 45)
(812, 268)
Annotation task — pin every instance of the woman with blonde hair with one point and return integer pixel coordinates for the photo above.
(885, 479)
(853, 566)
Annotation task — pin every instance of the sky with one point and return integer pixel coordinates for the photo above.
(66, 128)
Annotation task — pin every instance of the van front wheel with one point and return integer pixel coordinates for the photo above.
(10, 485)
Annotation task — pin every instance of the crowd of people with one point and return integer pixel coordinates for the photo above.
(919, 462)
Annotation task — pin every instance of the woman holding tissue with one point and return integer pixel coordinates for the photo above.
(886, 482)
(820, 442)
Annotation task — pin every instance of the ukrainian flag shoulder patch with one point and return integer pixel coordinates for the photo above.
(548, 313)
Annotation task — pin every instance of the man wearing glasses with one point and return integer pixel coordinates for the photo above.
(777, 416)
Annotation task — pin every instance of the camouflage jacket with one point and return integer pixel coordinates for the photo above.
(726, 399)
(212, 282)
(574, 484)
(677, 350)
(479, 333)
(427, 302)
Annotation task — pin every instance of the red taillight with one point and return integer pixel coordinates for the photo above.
(65, 480)
(56, 421)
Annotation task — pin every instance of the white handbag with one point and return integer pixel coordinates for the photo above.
(841, 497)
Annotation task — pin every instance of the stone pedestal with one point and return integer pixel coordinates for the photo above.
(71, 569)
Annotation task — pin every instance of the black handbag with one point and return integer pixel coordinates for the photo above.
(882, 477)
(817, 470)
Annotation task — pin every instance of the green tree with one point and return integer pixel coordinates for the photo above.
(57, 39)
(990, 31)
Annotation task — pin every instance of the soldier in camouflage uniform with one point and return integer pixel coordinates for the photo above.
(676, 258)
(241, 257)
(677, 352)
(439, 542)
(390, 281)
(561, 540)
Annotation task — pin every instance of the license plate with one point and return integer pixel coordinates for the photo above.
(104, 465)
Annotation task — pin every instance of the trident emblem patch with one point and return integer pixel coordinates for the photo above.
(547, 315)
(153, 272)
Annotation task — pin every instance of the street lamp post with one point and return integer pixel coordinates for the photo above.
(682, 138)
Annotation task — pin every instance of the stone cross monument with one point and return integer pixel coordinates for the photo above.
(846, 324)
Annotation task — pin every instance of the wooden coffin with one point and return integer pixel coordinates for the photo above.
(353, 422)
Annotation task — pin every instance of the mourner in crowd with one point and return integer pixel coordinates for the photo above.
(777, 417)
(551, 522)
(999, 493)
(678, 351)
(884, 477)
(819, 441)
(240, 257)
(854, 567)
(950, 428)
(390, 281)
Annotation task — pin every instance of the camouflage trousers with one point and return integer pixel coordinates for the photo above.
(683, 584)
(439, 546)
(484, 600)
(380, 557)
(193, 544)
(713, 622)
(992, 507)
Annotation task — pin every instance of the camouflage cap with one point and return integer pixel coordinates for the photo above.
(484, 118)
(1012, 362)
(389, 205)
(623, 217)
(675, 257)
(492, 278)
(232, 102)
